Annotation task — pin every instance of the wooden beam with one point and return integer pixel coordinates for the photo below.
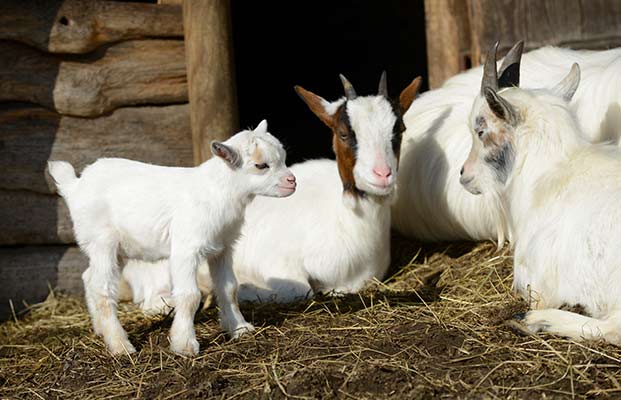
(211, 73)
(78, 26)
(129, 73)
(28, 273)
(447, 32)
(30, 136)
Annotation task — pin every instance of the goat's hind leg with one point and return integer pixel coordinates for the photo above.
(101, 281)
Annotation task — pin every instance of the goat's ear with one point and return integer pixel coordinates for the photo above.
(509, 73)
(316, 105)
(568, 86)
(501, 107)
(262, 127)
(408, 94)
(227, 153)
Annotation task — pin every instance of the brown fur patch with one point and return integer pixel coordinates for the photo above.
(257, 156)
(345, 156)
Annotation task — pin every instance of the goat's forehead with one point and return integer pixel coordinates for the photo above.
(268, 149)
(372, 117)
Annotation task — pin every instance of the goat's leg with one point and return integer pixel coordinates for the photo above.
(101, 281)
(225, 289)
(186, 298)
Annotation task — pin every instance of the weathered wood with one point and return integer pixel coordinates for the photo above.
(30, 136)
(27, 274)
(77, 26)
(211, 74)
(33, 218)
(574, 23)
(448, 39)
(129, 73)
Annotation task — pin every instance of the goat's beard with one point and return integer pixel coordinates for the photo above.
(500, 213)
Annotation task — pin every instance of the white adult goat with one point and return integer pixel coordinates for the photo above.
(341, 235)
(562, 196)
(431, 204)
(150, 212)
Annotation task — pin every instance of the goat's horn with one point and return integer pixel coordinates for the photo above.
(383, 87)
(490, 76)
(350, 93)
(509, 73)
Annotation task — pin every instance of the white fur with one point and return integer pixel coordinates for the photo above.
(562, 199)
(185, 215)
(431, 204)
(321, 238)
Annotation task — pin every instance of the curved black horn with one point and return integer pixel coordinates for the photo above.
(509, 73)
(383, 88)
(490, 76)
(350, 93)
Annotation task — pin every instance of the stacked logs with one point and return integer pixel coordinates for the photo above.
(79, 80)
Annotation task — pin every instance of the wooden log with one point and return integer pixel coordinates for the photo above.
(448, 33)
(30, 136)
(33, 218)
(77, 26)
(129, 73)
(28, 273)
(211, 73)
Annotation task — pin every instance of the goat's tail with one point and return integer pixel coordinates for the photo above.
(63, 174)
(572, 325)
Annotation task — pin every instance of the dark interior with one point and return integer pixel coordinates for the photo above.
(281, 44)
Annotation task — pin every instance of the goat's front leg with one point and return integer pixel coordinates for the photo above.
(186, 297)
(225, 289)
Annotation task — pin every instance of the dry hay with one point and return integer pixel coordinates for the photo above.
(435, 329)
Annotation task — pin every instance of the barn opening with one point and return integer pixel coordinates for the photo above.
(281, 44)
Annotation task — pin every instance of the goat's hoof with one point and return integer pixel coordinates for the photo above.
(241, 330)
(187, 347)
(120, 347)
(519, 316)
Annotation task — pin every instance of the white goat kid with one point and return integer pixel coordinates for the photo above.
(341, 238)
(430, 203)
(148, 212)
(562, 195)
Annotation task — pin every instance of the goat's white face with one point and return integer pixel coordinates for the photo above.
(261, 158)
(374, 125)
(492, 154)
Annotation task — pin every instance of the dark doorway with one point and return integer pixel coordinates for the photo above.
(280, 44)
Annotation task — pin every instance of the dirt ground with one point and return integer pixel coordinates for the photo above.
(435, 329)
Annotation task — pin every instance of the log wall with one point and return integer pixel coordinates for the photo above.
(79, 80)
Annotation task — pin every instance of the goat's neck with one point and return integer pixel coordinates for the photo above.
(534, 160)
(214, 173)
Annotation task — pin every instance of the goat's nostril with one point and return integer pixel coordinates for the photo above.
(461, 171)
(382, 172)
(291, 179)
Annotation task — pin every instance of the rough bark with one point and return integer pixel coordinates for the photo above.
(129, 73)
(78, 26)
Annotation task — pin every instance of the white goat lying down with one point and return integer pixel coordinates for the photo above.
(341, 235)
(562, 195)
(431, 204)
(151, 212)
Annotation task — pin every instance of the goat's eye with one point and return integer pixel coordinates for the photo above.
(261, 166)
(343, 135)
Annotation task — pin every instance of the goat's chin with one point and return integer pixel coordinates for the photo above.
(376, 190)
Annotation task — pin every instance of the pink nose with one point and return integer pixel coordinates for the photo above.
(383, 171)
(289, 181)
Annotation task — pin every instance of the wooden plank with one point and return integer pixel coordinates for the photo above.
(129, 73)
(448, 39)
(77, 26)
(573, 23)
(27, 274)
(30, 136)
(211, 73)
